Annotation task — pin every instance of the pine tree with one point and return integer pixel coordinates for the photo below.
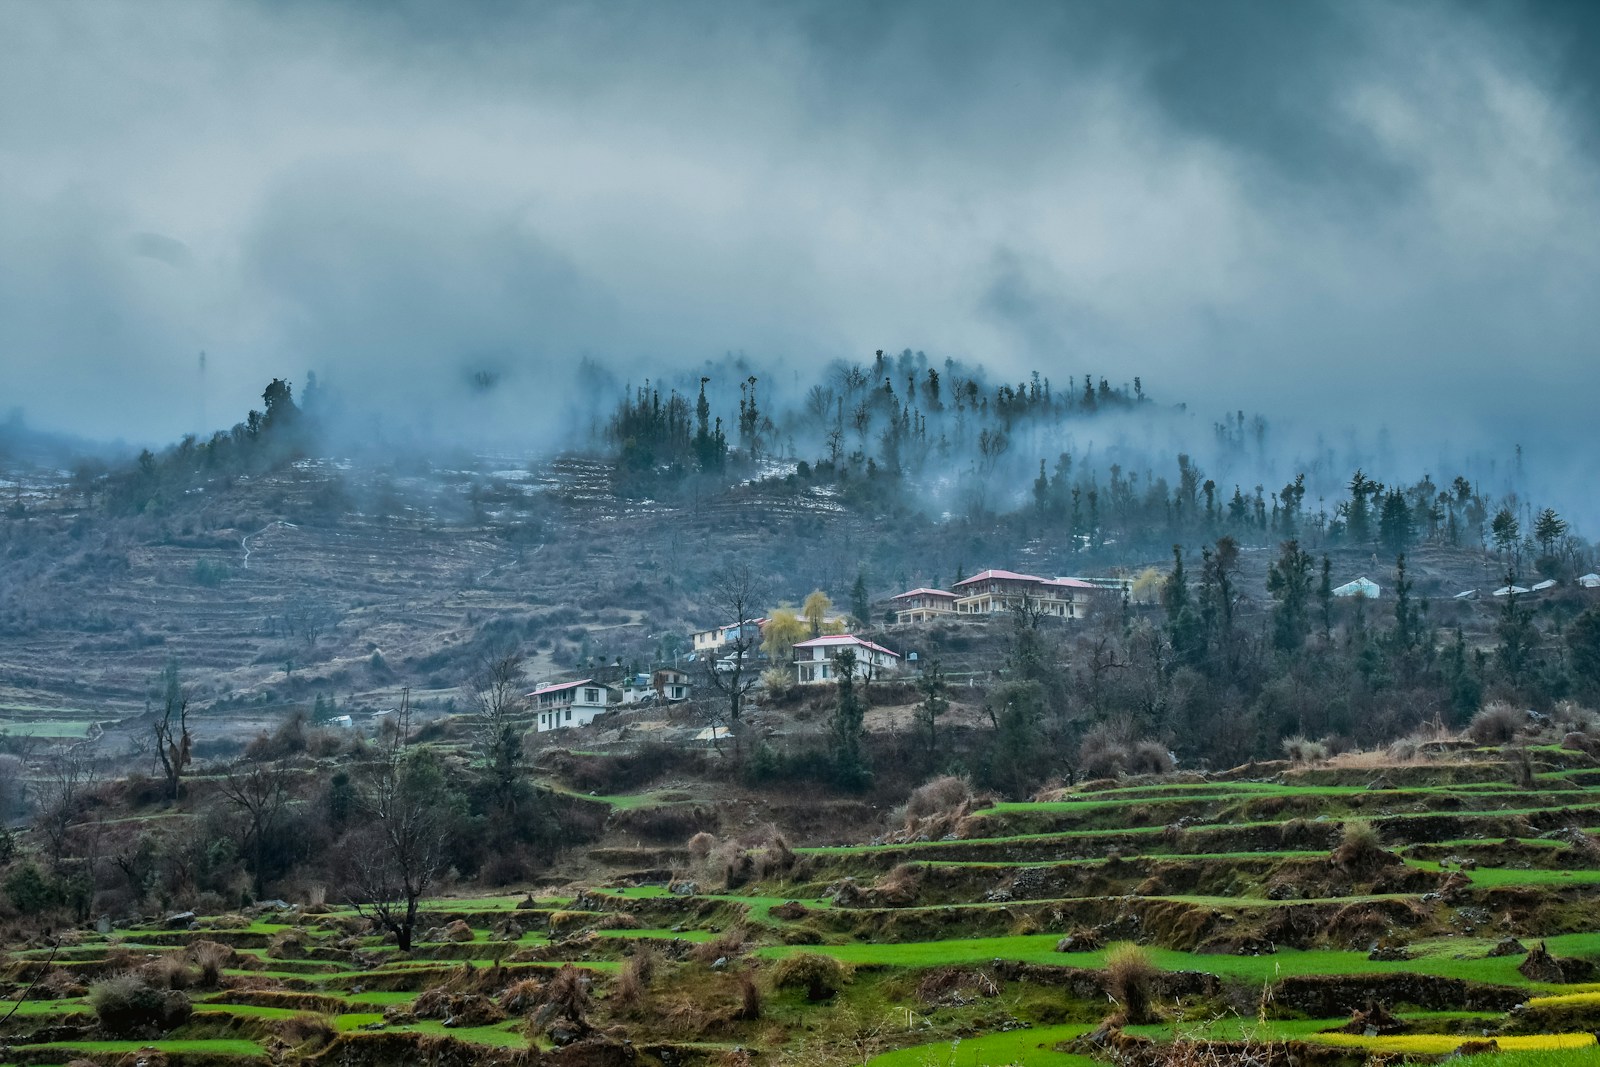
(860, 602)
(847, 725)
(1289, 582)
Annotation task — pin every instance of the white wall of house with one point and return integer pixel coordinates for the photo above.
(576, 705)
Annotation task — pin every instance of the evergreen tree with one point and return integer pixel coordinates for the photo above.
(1289, 582)
(1407, 632)
(1518, 636)
(1183, 624)
(1583, 643)
(860, 602)
(847, 726)
(934, 703)
(1396, 529)
(1548, 528)
(1466, 691)
(1358, 525)
(1325, 598)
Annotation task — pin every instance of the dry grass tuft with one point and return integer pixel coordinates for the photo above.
(210, 958)
(1303, 750)
(1497, 724)
(1130, 979)
(820, 976)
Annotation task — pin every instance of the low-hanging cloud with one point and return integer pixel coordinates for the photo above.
(1341, 214)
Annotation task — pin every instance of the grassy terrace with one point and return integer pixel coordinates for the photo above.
(931, 976)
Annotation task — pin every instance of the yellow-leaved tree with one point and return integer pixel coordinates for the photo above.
(784, 628)
(815, 610)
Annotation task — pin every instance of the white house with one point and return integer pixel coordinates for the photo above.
(1362, 587)
(670, 684)
(714, 639)
(1590, 581)
(997, 590)
(923, 605)
(571, 703)
(635, 688)
(1548, 583)
(813, 659)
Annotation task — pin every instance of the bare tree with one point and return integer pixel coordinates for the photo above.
(259, 790)
(171, 729)
(496, 690)
(66, 777)
(733, 672)
(398, 857)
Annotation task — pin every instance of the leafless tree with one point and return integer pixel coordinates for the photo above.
(496, 689)
(732, 671)
(259, 789)
(66, 777)
(397, 857)
(171, 729)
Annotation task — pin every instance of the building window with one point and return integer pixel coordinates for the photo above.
(592, 695)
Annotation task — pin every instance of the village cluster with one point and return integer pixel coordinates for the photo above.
(580, 701)
(813, 662)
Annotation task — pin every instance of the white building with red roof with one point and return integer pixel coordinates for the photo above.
(571, 703)
(813, 659)
(923, 605)
(998, 590)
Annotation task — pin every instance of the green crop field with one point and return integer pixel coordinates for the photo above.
(987, 947)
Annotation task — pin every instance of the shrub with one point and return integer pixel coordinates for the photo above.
(127, 1005)
(749, 996)
(305, 1030)
(1150, 757)
(1359, 844)
(1496, 724)
(1131, 979)
(1301, 750)
(937, 796)
(170, 971)
(820, 976)
(1581, 742)
(1101, 754)
(210, 957)
(628, 993)
(700, 846)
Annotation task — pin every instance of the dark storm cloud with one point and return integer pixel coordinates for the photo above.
(1340, 213)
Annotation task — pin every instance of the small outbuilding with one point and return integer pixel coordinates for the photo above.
(1362, 587)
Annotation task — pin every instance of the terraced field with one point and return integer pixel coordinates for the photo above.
(1319, 916)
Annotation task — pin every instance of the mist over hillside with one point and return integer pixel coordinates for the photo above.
(1365, 223)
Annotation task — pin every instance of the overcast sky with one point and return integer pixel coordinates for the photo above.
(1343, 211)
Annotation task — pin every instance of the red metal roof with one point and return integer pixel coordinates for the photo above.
(560, 686)
(1010, 576)
(843, 639)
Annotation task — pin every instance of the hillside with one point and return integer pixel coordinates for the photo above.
(1412, 903)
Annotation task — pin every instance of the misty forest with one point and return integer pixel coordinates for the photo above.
(482, 595)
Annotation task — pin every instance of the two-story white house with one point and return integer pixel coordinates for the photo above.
(670, 684)
(716, 638)
(998, 590)
(923, 605)
(813, 659)
(571, 703)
